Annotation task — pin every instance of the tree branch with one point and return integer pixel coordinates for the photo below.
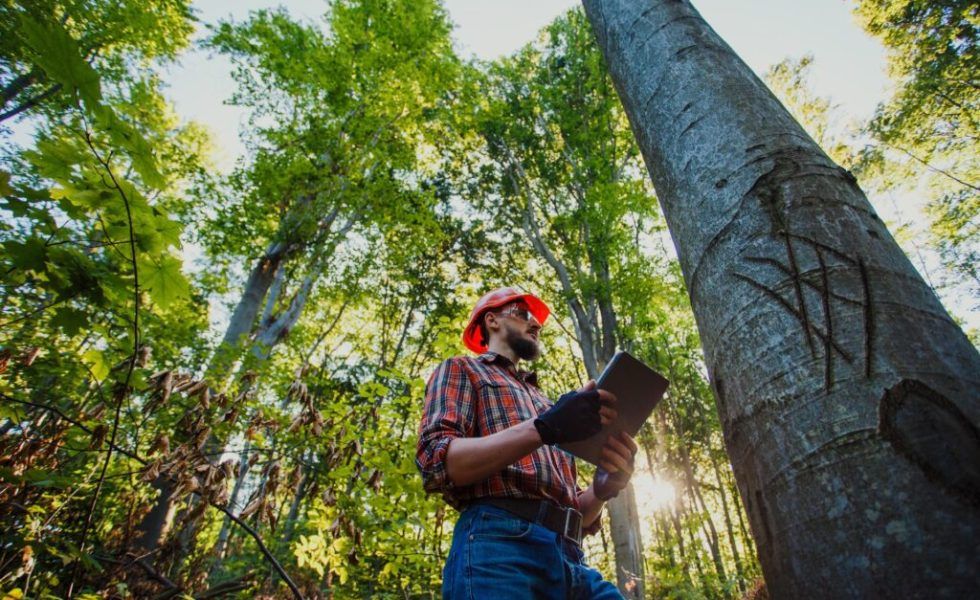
(265, 551)
(936, 169)
(31, 102)
(123, 391)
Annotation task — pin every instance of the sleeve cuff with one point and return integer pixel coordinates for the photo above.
(435, 478)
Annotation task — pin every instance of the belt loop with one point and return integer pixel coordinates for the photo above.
(542, 512)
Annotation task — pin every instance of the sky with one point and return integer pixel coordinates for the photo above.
(849, 65)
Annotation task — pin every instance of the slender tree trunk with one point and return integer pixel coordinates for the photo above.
(695, 553)
(242, 321)
(624, 524)
(708, 524)
(697, 501)
(236, 492)
(298, 497)
(624, 520)
(154, 526)
(736, 556)
(743, 531)
(675, 520)
(847, 395)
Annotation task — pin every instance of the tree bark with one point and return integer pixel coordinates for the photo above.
(846, 394)
(624, 525)
(260, 279)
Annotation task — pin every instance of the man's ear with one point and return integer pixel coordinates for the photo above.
(490, 321)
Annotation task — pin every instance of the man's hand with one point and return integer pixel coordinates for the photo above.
(615, 466)
(577, 415)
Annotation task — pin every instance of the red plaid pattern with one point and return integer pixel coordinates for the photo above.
(475, 397)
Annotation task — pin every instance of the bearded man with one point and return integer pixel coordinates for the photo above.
(487, 442)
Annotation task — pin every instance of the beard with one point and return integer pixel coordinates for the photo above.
(524, 348)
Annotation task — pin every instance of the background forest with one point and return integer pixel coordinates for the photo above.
(147, 452)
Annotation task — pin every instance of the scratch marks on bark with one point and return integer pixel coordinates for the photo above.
(869, 320)
(828, 377)
(821, 322)
(803, 277)
(931, 432)
(657, 30)
(805, 324)
(800, 298)
(822, 456)
(643, 15)
(770, 188)
(684, 50)
(691, 126)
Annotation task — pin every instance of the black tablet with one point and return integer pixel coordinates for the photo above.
(638, 389)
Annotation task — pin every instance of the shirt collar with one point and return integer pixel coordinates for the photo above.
(491, 358)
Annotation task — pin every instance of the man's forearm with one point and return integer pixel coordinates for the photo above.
(589, 506)
(469, 460)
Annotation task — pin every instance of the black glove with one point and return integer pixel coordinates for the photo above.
(607, 486)
(573, 418)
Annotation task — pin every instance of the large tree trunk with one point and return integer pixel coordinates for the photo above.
(847, 395)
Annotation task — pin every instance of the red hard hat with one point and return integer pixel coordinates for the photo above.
(494, 299)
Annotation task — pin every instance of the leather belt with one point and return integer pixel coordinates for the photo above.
(566, 522)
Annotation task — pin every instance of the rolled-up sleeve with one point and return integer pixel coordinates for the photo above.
(448, 414)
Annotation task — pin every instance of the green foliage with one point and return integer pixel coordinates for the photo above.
(56, 52)
(927, 134)
(89, 220)
(789, 80)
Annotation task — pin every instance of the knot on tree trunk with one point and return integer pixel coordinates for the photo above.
(931, 432)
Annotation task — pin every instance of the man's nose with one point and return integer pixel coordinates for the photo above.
(535, 324)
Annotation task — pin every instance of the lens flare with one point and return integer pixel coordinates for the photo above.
(653, 493)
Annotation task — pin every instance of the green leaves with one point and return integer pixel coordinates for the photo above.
(163, 279)
(927, 135)
(69, 320)
(96, 362)
(56, 52)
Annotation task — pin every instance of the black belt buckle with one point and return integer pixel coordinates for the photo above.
(573, 525)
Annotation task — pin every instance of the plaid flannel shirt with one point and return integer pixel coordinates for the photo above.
(475, 397)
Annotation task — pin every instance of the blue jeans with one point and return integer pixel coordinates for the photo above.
(498, 556)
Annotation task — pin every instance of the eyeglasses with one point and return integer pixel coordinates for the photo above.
(522, 313)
